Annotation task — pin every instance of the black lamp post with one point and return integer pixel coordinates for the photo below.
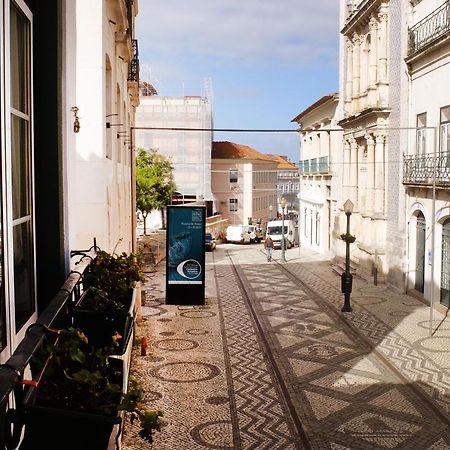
(346, 277)
(283, 243)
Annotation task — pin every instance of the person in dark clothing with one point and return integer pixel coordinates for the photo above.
(268, 245)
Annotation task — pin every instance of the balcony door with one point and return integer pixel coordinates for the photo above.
(17, 244)
(444, 147)
(420, 253)
(445, 264)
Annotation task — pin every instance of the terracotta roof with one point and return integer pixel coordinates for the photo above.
(283, 162)
(231, 150)
(315, 105)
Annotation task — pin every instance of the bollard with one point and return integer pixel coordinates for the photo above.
(144, 346)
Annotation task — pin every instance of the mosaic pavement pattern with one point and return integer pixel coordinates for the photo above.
(345, 394)
(269, 359)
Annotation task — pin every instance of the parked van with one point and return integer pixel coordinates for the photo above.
(256, 233)
(240, 233)
(274, 230)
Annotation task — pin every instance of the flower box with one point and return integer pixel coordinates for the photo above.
(100, 326)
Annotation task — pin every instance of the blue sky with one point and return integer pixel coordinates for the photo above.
(267, 60)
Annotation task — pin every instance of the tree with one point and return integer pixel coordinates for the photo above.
(155, 183)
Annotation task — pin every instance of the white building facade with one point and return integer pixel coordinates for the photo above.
(320, 144)
(426, 174)
(375, 95)
(190, 151)
(243, 183)
(66, 70)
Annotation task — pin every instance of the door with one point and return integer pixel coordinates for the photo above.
(420, 253)
(445, 264)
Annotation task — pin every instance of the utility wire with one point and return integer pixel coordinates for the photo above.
(231, 130)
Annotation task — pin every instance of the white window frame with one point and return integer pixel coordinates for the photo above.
(15, 336)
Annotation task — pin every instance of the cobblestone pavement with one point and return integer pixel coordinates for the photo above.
(271, 362)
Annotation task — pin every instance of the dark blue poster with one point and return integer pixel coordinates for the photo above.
(185, 253)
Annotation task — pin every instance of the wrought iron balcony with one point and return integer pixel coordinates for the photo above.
(430, 28)
(129, 8)
(315, 166)
(133, 70)
(421, 169)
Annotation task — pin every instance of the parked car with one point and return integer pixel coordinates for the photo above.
(210, 242)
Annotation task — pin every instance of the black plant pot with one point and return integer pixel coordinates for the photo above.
(57, 427)
(100, 326)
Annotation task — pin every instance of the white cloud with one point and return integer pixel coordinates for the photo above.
(250, 32)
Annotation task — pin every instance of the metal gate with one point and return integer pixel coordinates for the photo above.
(420, 253)
(445, 264)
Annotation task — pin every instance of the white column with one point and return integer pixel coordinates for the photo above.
(361, 180)
(354, 172)
(379, 173)
(349, 80)
(382, 53)
(346, 171)
(373, 60)
(356, 71)
(370, 173)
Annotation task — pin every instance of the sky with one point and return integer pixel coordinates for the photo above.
(267, 60)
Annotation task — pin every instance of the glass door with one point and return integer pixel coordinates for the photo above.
(445, 264)
(420, 253)
(19, 172)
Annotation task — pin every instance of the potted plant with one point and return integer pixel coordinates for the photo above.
(77, 398)
(109, 304)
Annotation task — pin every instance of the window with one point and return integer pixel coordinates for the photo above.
(445, 130)
(233, 204)
(21, 158)
(421, 133)
(317, 228)
(233, 175)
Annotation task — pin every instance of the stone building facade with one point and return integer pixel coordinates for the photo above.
(371, 122)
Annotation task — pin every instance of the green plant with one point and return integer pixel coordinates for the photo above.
(80, 377)
(149, 420)
(110, 278)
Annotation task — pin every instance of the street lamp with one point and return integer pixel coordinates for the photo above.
(283, 244)
(347, 277)
(270, 212)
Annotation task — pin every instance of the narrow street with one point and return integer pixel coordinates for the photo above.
(271, 362)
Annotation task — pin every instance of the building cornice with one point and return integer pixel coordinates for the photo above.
(361, 15)
(368, 118)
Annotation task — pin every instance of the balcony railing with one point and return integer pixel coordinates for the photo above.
(133, 70)
(129, 8)
(315, 166)
(56, 315)
(422, 169)
(430, 28)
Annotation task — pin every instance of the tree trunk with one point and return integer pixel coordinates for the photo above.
(144, 216)
(163, 219)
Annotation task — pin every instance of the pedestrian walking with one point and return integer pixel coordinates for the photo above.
(268, 245)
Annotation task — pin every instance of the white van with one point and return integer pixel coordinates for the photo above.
(239, 233)
(274, 230)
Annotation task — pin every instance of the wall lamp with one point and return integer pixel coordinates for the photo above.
(76, 122)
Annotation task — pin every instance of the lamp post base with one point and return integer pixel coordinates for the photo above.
(347, 306)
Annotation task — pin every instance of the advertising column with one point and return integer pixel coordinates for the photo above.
(185, 255)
